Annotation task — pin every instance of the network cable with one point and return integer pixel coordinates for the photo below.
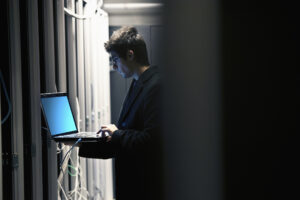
(79, 191)
(7, 98)
(61, 163)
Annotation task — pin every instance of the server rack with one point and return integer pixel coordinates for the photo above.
(34, 100)
(72, 72)
(81, 88)
(41, 55)
(49, 77)
(17, 161)
(61, 72)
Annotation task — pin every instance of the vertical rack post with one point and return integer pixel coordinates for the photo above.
(16, 100)
(87, 62)
(34, 96)
(60, 43)
(50, 86)
(81, 85)
(72, 71)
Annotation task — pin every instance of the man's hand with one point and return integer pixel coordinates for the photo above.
(110, 129)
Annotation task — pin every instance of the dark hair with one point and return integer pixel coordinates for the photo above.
(128, 38)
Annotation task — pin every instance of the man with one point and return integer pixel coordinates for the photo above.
(134, 141)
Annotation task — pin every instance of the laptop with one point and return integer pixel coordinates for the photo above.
(60, 119)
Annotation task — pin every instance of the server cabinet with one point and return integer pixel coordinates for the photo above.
(81, 90)
(16, 101)
(31, 100)
(48, 77)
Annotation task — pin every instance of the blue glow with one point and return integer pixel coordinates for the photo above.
(58, 114)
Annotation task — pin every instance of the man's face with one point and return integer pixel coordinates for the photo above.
(121, 65)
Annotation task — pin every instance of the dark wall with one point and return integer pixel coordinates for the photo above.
(246, 48)
(258, 144)
(192, 136)
(251, 100)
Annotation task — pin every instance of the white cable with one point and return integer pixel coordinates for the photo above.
(83, 17)
(81, 196)
(82, 178)
(59, 150)
(76, 178)
(78, 190)
(76, 183)
(79, 140)
(62, 189)
(62, 169)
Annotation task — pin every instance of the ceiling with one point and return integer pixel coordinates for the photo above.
(133, 1)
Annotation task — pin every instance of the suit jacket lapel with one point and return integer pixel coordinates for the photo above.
(130, 99)
(132, 95)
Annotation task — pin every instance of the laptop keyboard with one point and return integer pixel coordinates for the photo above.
(87, 134)
(80, 135)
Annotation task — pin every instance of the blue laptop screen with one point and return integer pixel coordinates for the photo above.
(58, 114)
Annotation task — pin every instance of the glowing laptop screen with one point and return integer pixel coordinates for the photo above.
(58, 114)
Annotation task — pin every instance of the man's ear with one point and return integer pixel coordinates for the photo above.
(130, 55)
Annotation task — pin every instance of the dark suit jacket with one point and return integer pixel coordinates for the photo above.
(136, 145)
